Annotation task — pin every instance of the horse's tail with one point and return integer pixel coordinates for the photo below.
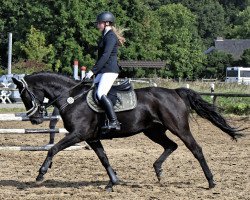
(207, 111)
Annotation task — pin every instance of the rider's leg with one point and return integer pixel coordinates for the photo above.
(109, 109)
(105, 83)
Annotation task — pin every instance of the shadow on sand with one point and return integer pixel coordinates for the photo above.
(51, 184)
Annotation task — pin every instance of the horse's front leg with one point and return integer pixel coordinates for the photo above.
(67, 141)
(99, 150)
(52, 125)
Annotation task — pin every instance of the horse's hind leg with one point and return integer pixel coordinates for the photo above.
(158, 136)
(188, 139)
(99, 150)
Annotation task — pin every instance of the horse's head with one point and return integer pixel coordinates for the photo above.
(32, 98)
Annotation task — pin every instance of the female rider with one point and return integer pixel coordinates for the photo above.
(106, 69)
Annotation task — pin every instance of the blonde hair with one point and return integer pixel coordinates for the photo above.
(119, 33)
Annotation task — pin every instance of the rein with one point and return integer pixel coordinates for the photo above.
(60, 96)
(70, 100)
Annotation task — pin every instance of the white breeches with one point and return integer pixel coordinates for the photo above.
(105, 81)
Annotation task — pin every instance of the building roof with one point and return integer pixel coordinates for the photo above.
(235, 47)
(142, 64)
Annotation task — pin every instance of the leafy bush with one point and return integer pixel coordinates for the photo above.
(29, 66)
(216, 64)
(67, 70)
(246, 57)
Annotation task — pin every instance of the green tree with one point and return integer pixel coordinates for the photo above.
(67, 26)
(242, 28)
(210, 17)
(216, 64)
(211, 20)
(143, 30)
(181, 44)
(35, 47)
(38, 56)
(7, 20)
(1, 30)
(245, 58)
(240, 4)
(70, 34)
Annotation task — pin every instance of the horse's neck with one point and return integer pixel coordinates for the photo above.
(54, 89)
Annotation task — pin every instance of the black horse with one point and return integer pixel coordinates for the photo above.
(158, 110)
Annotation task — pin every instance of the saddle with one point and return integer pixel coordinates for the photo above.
(122, 96)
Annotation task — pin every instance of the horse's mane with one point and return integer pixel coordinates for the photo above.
(51, 76)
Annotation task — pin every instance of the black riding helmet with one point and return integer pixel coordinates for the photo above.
(105, 17)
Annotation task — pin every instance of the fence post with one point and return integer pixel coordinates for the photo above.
(76, 70)
(83, 72)
(212, 87)
(10, 54)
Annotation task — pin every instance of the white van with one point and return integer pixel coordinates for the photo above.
(240, 75)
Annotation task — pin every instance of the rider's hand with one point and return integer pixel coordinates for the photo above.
(89, 74)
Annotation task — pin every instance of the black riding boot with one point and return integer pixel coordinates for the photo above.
(109, 109)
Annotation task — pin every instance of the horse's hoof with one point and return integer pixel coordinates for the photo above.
(39, 178)
(159, 174)
(212, 185)
(116, 181)
(109, 189)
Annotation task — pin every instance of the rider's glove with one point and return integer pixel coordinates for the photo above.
(89, 74)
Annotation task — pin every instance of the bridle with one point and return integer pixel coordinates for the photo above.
(35, 106)
(41, 107)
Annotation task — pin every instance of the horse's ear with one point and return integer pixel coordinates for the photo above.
(17, 82)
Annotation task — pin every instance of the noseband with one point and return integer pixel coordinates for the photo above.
(35, 105)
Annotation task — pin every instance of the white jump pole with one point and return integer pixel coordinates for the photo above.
(33, 131)
(39, 148)
(23, 117)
